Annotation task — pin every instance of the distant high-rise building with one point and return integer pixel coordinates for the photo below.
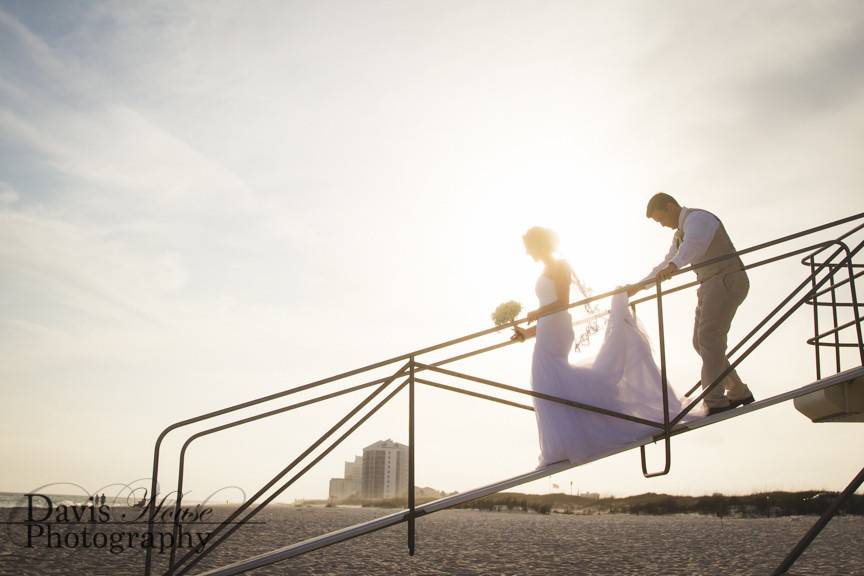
(385, 470)
(381, 472)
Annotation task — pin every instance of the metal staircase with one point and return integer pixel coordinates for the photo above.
(832, 273)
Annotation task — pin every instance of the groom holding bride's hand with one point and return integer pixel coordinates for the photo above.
(699, 237)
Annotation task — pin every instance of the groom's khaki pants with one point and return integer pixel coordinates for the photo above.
(718, 299)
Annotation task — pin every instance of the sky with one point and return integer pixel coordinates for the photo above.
(202, 203)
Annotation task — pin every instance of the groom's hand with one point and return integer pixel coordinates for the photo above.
(632, 290)
(667, 272)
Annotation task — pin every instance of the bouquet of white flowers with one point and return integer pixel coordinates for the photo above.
(506, 312)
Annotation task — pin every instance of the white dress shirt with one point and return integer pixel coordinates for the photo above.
(698, 228)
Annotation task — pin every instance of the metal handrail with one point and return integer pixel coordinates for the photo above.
(815, 340)
(667, 425)
(234, 527)
(838, 284)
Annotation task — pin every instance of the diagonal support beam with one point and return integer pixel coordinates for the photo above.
(826, 517)
(474, 394)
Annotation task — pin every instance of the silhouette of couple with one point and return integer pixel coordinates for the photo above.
(623, 376)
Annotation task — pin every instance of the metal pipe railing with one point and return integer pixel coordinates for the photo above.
(281, 474)
(838, 284)
(816, 351)
(667, 441)
(833, 331)
(182, 462)
(411, 525)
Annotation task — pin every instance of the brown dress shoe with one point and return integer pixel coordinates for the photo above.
(742, 402)
(717, 409)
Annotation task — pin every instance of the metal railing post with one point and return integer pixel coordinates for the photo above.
(816, 348)
(831, 272)
(411, 459)
(665, 387)
(855, 312)
(151, 505)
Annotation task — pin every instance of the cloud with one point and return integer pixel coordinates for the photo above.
(97, 162)
(65, 113)
(827, 77)
(78, 274)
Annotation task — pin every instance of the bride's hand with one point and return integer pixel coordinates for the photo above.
(519, 334)
(532, 316)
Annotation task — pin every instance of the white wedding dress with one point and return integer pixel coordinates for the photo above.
(622, 377)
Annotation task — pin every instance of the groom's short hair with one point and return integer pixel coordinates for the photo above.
(659, 202)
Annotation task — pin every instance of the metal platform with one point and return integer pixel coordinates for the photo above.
(843, 402)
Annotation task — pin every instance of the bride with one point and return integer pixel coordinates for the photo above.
(622, 376)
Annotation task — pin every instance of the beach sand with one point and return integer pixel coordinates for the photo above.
(473, 542)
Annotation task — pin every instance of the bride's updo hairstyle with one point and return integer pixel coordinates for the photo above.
(541, 239)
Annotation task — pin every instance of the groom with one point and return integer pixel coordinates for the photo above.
(700, 236)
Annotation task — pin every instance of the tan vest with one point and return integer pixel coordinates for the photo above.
(720, 246)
